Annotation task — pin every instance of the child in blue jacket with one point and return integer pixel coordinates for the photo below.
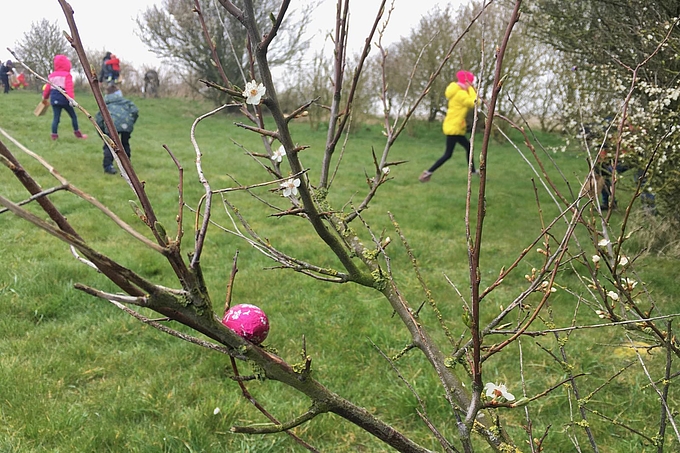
(124, 113)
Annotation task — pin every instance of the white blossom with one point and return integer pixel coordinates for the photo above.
(603, 242)
(278, 155)
(495, 391)
(612, 295)
(595, 258)
(290, 186)
(629, 283)
(216, 411)
(254, 92)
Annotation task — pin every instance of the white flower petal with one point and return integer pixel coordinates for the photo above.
(290, 186)
(494, 391)
(254, 92)
(630, 283)
(278, 155)
(489, 388)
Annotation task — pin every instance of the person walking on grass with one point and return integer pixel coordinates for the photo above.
(124, 113)
(461, 96)
(61, 77)
(114, 72)
(5, 70)
(105, 71)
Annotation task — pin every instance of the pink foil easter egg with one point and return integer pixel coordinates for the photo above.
(248, 321)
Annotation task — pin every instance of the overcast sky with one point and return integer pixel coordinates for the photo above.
(105, 25)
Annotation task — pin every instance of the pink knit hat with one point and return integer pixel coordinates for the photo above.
(465, 77)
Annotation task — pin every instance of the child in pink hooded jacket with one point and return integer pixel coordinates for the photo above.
(61, 77)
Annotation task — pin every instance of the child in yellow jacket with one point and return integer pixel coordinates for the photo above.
(462, 97)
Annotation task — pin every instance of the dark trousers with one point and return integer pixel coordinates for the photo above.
(56, 109)
(5, 82)
(451, 141)
(125, 140)
(647, 198)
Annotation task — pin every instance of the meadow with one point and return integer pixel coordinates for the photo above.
(77, 374)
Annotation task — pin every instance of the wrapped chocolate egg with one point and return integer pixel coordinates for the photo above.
(247, 321)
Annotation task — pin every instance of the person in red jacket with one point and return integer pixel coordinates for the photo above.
(113, 64)
(20, 81)
(61, 77)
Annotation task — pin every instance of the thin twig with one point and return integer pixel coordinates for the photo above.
(537, 333)
(203, 230)
(246, 394)
(230, 283)
(664, 402)
(423, 409)
(666, 387)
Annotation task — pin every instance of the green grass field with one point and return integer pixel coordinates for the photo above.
(77, 374)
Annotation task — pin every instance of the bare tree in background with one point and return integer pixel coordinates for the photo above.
(177, 35)
(428, 44)
(40, 44)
